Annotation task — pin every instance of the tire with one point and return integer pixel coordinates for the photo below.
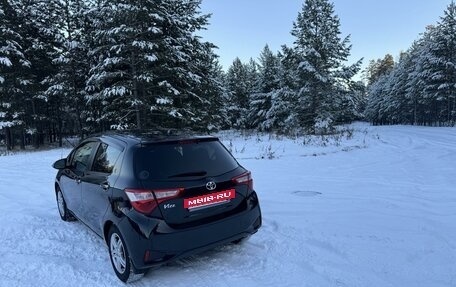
(120, 258)
(65, 213)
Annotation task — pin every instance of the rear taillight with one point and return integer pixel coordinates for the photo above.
(245, 178)
(143, 200)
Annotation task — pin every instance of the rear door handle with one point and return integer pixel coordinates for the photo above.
(105, 186)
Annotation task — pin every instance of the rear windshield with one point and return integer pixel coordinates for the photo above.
(181, 160)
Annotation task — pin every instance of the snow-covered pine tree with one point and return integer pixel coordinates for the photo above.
(145, 61)
(210, 108)
(123, 55)
(395, 101)
(26, 47)
(376, 93)
(252, 80)
(322, 74)
(376, 75)
(65, 91)
(268, 71)
(40, 34)
(268, 83)
(417, 78)
(14, 68)
(351, 102)
(182, 53)
(443, 79)
(238, 90)
(282, 116)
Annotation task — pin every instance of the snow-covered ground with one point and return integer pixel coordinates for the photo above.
(375, 209)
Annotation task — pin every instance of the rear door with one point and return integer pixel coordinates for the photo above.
(96, 185)
(70, 181)
(203, 169)
(196, 202)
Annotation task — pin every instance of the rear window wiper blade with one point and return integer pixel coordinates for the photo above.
(191, 173)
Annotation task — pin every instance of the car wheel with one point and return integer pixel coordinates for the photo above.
(120, 259)
(64, 212)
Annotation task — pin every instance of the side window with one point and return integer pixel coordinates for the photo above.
(81, 157)
(105, 159)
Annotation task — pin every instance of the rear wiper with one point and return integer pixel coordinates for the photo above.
(191, 173)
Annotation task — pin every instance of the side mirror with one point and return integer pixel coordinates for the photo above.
(60, 164)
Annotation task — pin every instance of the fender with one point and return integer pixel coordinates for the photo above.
(145, 224)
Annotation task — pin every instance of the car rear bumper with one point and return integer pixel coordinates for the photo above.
(165, 243)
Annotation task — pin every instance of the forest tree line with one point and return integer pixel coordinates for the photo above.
(420, 88)
(76, 67)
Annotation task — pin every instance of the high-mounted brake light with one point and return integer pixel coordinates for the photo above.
(144, 201)
(245, 178)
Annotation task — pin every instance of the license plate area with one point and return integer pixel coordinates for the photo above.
(209, 200)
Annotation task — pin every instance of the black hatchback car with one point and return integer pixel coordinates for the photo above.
(156, 198)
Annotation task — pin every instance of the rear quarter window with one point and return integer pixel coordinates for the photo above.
(106, 158)
(186, 159)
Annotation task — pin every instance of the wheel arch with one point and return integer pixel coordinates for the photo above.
(106, 227)
(56, 186)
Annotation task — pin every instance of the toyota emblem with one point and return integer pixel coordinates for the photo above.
(211, 185)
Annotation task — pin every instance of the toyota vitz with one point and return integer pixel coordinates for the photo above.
(155, 198)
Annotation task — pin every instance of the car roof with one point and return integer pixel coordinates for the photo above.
(154, 136)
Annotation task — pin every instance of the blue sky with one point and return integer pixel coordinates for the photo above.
(377, 27)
